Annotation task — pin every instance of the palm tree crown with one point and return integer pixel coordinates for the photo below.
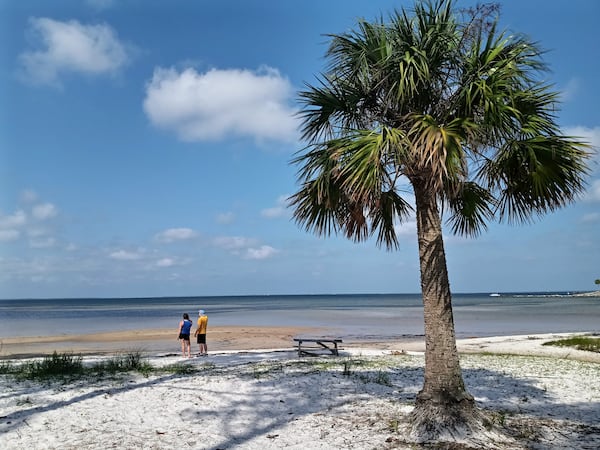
(456, 106)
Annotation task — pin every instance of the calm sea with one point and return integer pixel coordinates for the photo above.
(351, 316)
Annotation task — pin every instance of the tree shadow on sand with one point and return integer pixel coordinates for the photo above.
(291, 396)
(269, 397)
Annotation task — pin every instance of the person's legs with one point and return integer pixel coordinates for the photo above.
(189, 348)
(202, 344)
(183, 347)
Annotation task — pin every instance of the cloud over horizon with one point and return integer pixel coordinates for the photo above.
(29, 220)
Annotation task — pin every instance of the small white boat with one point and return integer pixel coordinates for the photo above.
(495, 295)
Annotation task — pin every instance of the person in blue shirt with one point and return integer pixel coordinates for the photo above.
(185, 327)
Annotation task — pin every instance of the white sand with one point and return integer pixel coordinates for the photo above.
(273, 399)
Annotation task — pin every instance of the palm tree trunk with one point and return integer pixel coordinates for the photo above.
(443, 404)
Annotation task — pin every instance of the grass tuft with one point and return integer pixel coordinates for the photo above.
(586, 343)
(180, 369)
(63, 364)
(66, 365)
(128, 362)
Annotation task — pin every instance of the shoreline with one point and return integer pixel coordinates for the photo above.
(237, 339)
(151, 341)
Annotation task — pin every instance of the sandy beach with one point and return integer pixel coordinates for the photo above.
(254, 392)
(151, 341)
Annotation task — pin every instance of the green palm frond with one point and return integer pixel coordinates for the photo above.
(536, 175)
(316, 206)
(472, 206)
(439, 149)
(364, 160)
(389, 207)
(347, 184)
(536, 108)
(331, 107)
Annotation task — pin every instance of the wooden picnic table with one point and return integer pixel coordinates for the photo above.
(311, 346)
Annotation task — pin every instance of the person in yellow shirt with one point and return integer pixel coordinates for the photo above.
(201, 333)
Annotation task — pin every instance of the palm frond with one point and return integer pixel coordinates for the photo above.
(389, 207)
(316, 206)
(536, 175)
(437, 149)
(364, 158)
(472, 206)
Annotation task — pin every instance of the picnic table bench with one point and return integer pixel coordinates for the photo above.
(311, 346)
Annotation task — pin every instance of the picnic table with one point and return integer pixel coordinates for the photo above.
(312, 346)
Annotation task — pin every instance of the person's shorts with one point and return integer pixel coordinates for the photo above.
(201, 338)
(185, 337)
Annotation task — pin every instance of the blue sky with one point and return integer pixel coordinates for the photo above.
(145, 148)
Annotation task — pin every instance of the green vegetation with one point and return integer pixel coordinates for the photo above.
(181, 369)
(70, 367)
(587, 343)
(66, 365)
(128, 362)
(52, 366)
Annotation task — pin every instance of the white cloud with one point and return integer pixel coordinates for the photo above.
(46, 242)
(9, 235)
(124, 255)
(225, 218)
(234, 242)
(175, 234)
(65, 47)
(44, 211)
(263, 252)
(215, 104)
(571, 89)
(593, 193)
(28, 196)
(273, 213)
(591, 218)
(18, 224)
(165, 262)
(407, 228)
(174, 261)
(279, 210)
(244, 247)
(592, 136)
(36, 232)
(18, 219)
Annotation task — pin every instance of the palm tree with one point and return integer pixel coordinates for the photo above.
(442, 103)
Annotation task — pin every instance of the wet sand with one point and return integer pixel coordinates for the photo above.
(153, 341)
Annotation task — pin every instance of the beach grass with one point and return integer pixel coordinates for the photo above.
(132, 361)
(70, 366)
(586, 343)
(55, 365)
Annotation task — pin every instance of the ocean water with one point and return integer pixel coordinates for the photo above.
(350, 316)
